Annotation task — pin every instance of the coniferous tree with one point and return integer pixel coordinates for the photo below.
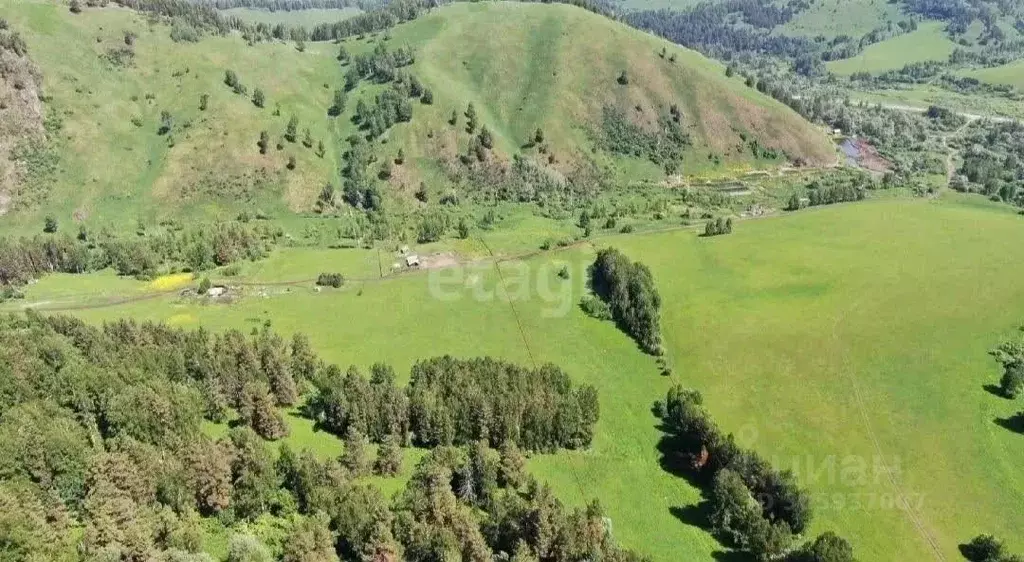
(291, 129)
(486, 139)
(204, 100)
(389, 458)
(338, 103)
(470, 118)
(264, 142)
(355, 457)
(258, 99)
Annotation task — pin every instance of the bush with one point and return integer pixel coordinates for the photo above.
(204, 286)
(330, 280)
(1012, 383)
(596, 308)
(983, 548)
(50, 224)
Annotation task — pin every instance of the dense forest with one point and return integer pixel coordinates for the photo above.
(104, 452)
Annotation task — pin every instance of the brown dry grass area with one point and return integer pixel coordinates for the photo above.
(21, 119)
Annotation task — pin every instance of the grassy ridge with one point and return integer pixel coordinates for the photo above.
(555, 67)
(523, 65)
(808, 335)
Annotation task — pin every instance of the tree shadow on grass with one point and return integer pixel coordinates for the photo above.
(680, 465)
(995, 390)
(731, 556)
(695, 515)
(1013, 423)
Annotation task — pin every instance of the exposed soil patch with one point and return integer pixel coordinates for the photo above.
(439, 260)
(860, 153)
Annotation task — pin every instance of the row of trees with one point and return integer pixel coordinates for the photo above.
(628, 288)
(451, 401)
(718, 227)
(197, 249)
(754, 507)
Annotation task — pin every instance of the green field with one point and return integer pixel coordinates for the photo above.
(305, 18)
(922, 96)
(1011, 74)
(928, 42)
(818, 341)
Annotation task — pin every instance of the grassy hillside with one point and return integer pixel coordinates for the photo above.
(832, 18)
(556, 66)
(1011, 74)
(523, 66)
(114, 167)
(814, 340)
(928, 42)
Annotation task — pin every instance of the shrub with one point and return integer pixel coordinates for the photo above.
(1012, 383)
(330, 280)
(596, 308)
(204, 286)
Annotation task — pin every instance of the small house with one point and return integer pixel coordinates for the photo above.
(412, 260)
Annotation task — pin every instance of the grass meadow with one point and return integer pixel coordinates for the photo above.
(1011, 74)
(848, 343)
(831, 18)
(928, 42)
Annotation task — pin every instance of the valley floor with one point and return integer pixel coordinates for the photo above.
(847, 343)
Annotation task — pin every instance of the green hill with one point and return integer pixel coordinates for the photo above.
(129, 142)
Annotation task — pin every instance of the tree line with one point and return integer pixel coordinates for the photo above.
(753, 506)
(101, 428)
(628, 289)
(453, 401)
(198, 249)
(288, 5)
